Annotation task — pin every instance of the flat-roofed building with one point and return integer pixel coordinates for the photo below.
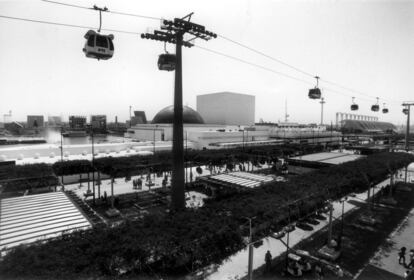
(98, 122)
(77, 122)
(227, 108)
(35, 121)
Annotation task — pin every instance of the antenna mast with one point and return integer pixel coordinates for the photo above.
(286, 113)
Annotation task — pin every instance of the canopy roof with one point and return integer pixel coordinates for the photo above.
(367, 126)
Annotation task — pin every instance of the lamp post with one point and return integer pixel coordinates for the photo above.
(130, 124)
(287, 242)
(61, 152)
(342, 222)
(185, 156)
(243, 139)
(93, 165)
(153, 150)
(407, 110)
(250, 264)
(330, 223)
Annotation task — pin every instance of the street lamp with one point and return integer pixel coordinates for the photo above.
(153, 149)
(130, 119)
(93, 164)
(287, 230)
(61, 152)
(185, 157)
(243, 139)
(342, 222)
(250, 265)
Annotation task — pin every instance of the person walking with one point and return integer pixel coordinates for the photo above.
(411, 264)
(268, 260)
(401, 255)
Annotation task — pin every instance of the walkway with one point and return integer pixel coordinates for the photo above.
(236, 265)
(122, 187)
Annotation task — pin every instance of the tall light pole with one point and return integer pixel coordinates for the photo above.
(330, 223)
(287, 242)
(342, 222)
(186, 162)
(174, 33)
(407, 106)
(250, 265)
(153, 150)
(322, 102)
(93, 166)
(130, 119)
(61, 151)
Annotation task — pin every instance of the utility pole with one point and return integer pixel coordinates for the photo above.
(342, 221)
(93, 167)
(130, 124)
(322, 102)
(61, 152)
(174, 34)
(330, 223)
(250, 264)
(407, 132)
(286, 112)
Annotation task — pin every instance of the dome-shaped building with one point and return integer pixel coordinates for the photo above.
(166, 115)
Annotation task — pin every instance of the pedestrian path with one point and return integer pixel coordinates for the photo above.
(235, 267)
(122, 187)
(387, 257)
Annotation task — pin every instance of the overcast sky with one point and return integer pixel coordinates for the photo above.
(364, 45)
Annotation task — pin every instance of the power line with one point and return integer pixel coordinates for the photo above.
(254, 64)
(203, 48)
(265, 55)
(272, 70)
(68, 25)
(108, 11)
(69, 5)
(294, 67)
(237, 43)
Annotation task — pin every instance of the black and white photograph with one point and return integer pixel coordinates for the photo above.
(216, 140)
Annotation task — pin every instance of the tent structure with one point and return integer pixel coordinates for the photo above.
(357, 126)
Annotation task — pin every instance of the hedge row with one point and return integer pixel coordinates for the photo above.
(177, 241)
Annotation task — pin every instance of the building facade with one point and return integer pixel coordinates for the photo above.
(35, 121)
(77, 122)
(98, 122)
(227, 108)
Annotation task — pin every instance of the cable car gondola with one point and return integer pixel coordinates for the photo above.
(375, 107)
(98, 46)
(384, 110)
(166, 62)
(354, 106)
(315, 93)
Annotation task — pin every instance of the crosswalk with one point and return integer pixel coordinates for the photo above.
(26, 219)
